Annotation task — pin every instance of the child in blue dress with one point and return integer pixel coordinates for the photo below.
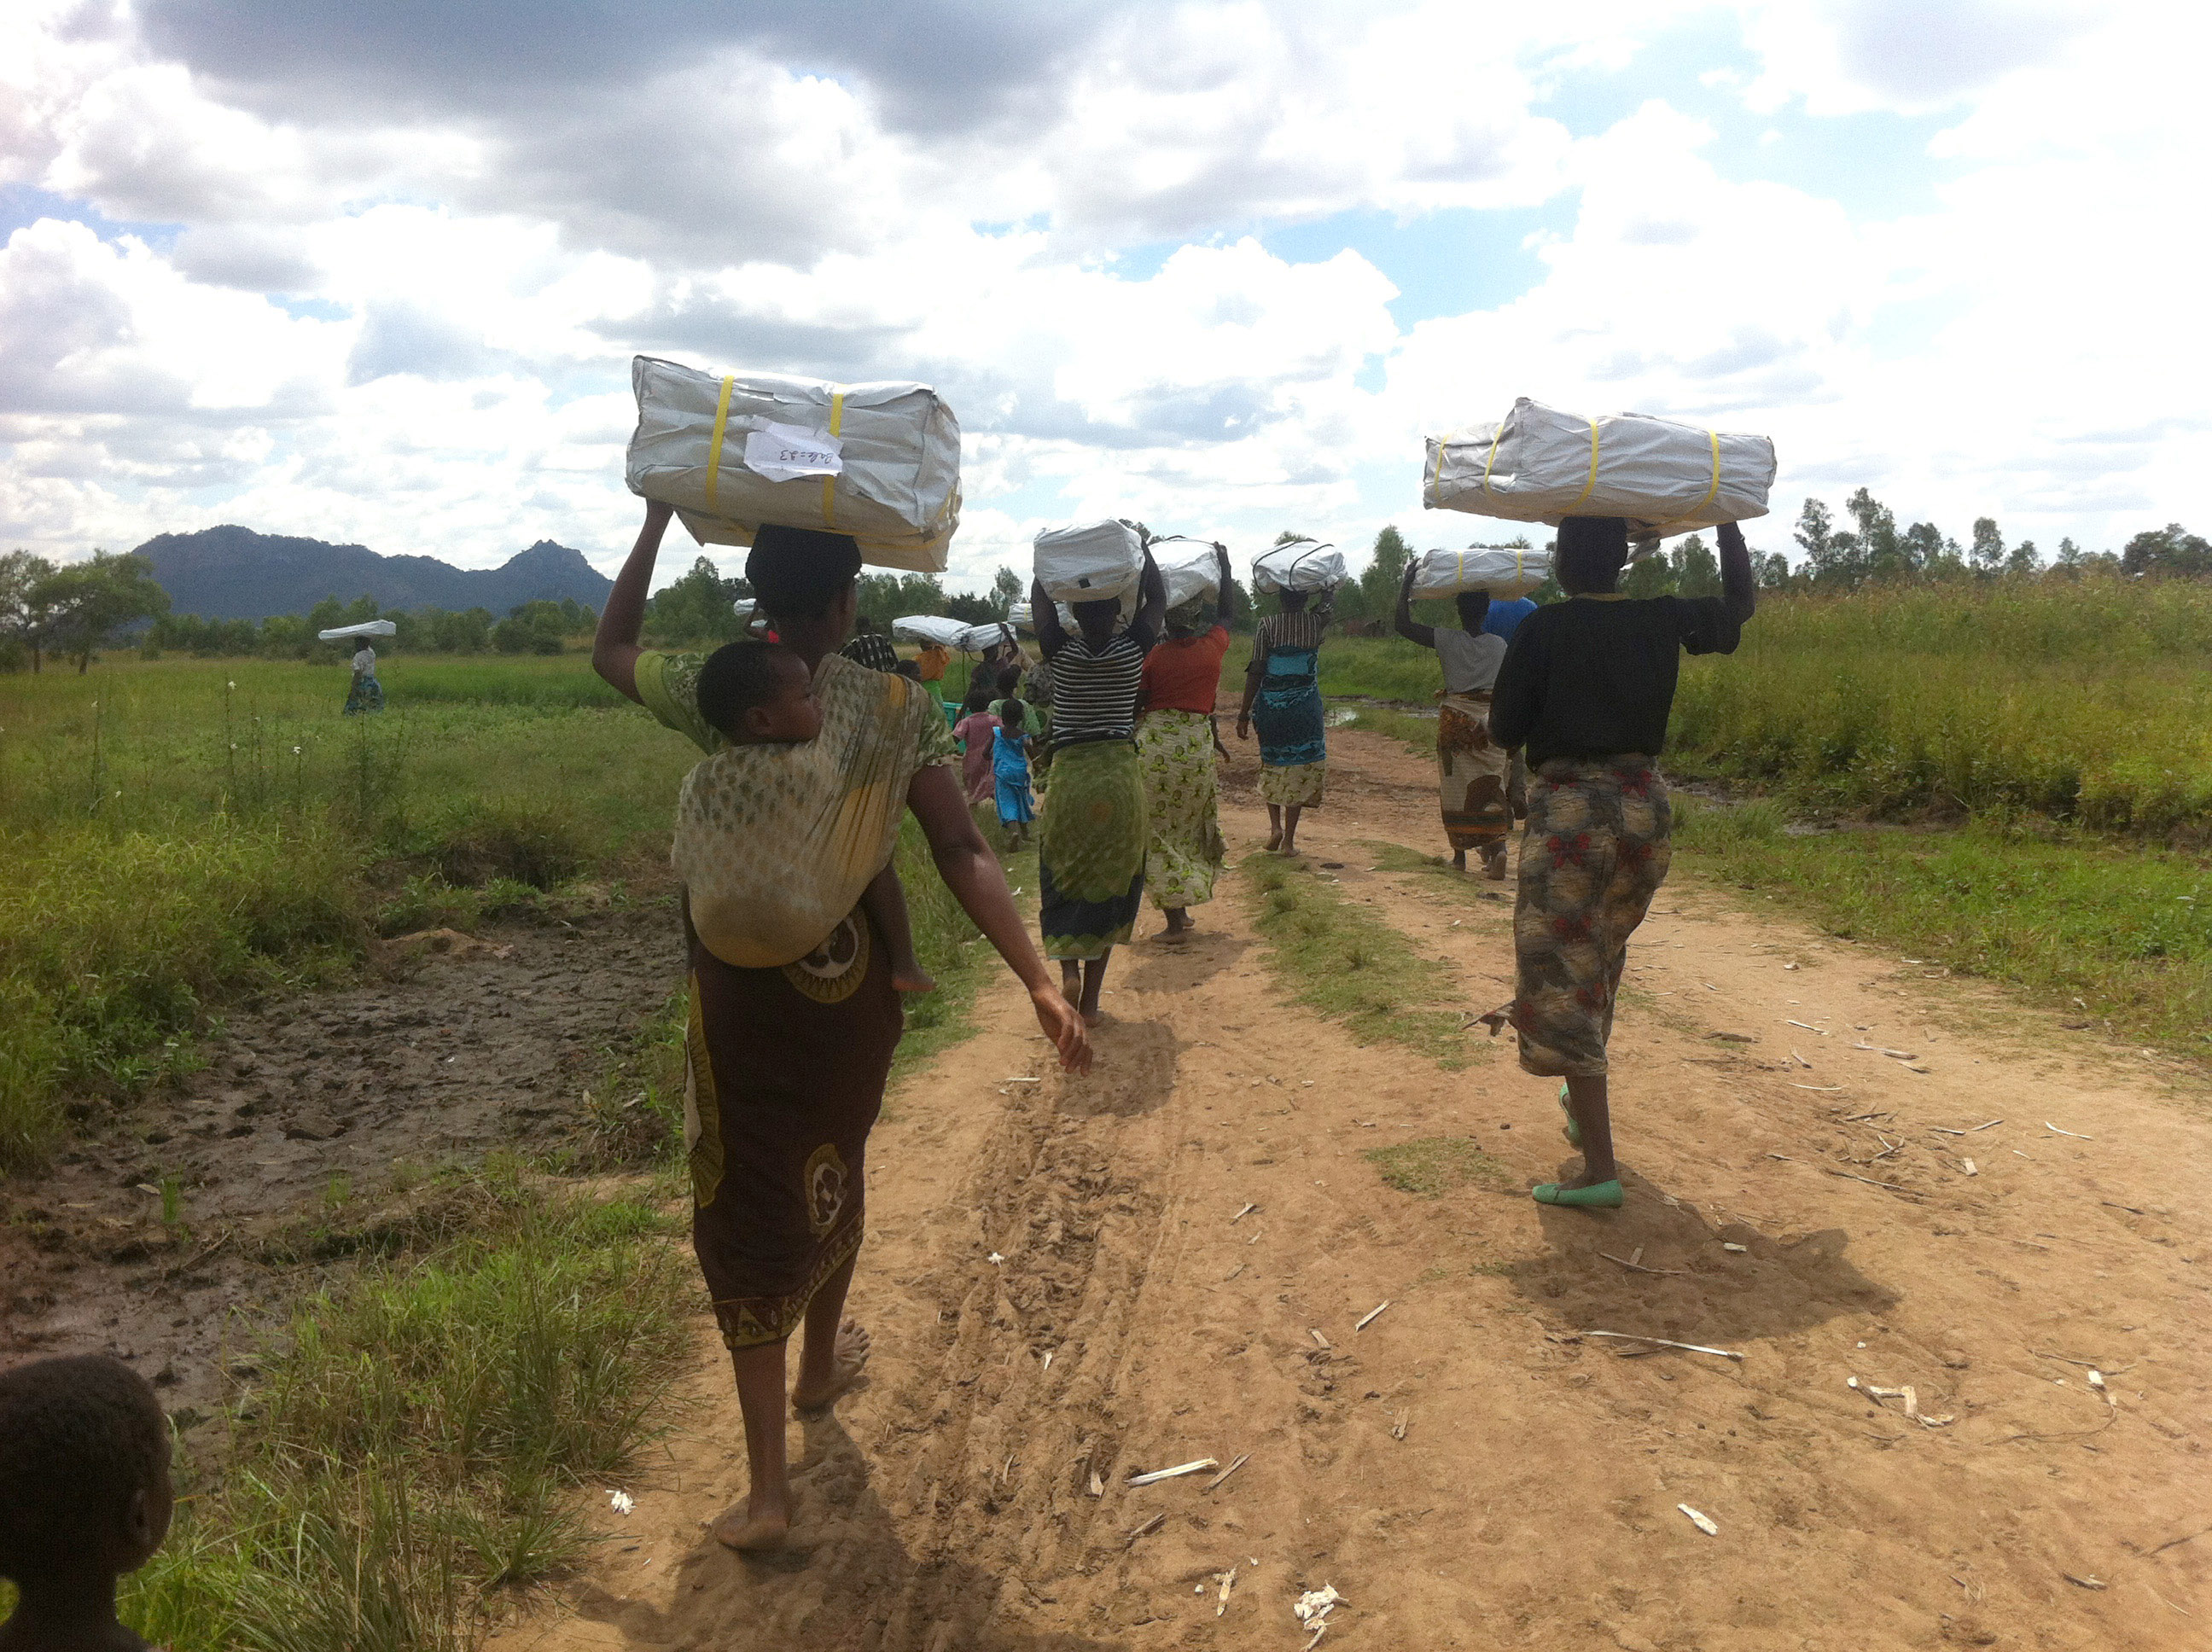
(1010, 766)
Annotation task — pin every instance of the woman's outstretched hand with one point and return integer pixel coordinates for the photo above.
(1064, 1027)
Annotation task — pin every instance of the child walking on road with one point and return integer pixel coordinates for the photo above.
(1010, 766)
(1586, 686)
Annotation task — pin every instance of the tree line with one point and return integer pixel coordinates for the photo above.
(73, 610)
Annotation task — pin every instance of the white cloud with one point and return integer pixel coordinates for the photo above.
(401, 298)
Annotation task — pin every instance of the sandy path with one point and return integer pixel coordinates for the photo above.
(1532, 1501)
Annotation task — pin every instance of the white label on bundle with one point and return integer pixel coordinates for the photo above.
(784, 452)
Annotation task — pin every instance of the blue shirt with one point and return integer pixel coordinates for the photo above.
(1504, 618)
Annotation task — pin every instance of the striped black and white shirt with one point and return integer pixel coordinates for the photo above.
(1094, 695)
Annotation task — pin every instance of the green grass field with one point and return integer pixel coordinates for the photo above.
(2090, 704)
(184, 833)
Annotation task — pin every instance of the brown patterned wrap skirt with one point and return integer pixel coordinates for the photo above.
(784, 1071)
(1596, 851)
(1472, 772)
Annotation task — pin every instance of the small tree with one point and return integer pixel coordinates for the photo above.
(88, 603)
(2024, 561)
(1987, 550)
(2170, 549)
(1007, 590)
(23, 613)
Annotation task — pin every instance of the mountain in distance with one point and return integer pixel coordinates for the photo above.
(233, 573)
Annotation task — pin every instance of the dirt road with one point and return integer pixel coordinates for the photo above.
(1061, 1286)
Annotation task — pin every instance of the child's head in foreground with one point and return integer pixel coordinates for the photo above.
(84, 1493)
(1013, 717)
(759, 694)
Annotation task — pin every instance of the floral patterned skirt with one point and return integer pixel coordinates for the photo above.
(1175, 751)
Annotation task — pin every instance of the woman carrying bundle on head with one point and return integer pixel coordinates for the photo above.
(1091, 854)
(781, 834)
(1472, 769)
(1282, 700)
(1587, 686)
(1176, 744)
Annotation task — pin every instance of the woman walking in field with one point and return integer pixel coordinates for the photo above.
(1176, 744)
(789, 1044)
(1091, 854)
(1282, 700)
(1587, 686)
(1472, 769)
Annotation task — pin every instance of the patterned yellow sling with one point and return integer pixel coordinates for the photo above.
(775, 843)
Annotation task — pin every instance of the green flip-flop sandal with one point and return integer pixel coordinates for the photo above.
(1573, 1132)
(1598, 1196)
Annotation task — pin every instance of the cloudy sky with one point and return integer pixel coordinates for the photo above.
(374, 272)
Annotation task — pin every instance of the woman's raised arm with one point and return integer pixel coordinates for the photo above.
(972, 872)
(614, 646)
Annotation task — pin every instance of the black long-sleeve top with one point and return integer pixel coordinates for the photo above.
(1594, 677)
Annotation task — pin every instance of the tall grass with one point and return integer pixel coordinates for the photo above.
(420, 1432)
(2089, 703)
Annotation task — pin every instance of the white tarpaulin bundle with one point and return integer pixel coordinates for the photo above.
(1017, 615)
(366, 628)
(1504, 571)
(878, 461)
(931, 628)
(1088, 563)
(742, 607)
(1301, 565)
(978, 638)
(1189, 569)
(1538, 465)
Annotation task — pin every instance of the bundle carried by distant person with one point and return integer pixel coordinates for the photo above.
(1539, 465)
(880, 462)
(366, 628)
(1504, 571)
(1300, 565)
(931, 628)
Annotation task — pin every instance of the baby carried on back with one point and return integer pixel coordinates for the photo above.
(783, 831)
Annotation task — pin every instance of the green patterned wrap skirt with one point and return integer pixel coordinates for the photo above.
(1091, 852)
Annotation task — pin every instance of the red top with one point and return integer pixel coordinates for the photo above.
(1184, 673)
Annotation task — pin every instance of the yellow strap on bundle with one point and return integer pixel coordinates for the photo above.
(829, 483)
(1492, 461)
(1715, 487)
(1592, 483)
(714, 446)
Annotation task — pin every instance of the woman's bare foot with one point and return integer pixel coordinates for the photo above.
(1493, 866)
(849, 1359)
(1274, 841)
(1459, 859)
(756, 1525)
(910, 977)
